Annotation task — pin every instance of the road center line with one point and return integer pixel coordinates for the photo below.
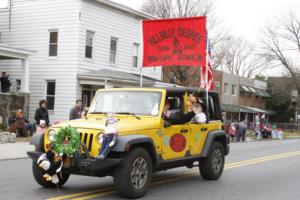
(110, 190)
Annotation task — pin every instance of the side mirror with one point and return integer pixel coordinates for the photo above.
(167, 124)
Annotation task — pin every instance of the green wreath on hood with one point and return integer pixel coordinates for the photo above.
(66, 141)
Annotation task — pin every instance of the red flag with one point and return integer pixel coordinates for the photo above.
(174, 42)
(207, 79)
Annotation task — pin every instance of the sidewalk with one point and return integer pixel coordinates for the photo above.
(14, 150)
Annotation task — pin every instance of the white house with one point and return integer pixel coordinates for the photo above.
(63, 50)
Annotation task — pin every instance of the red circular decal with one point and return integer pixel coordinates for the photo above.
(177, 142)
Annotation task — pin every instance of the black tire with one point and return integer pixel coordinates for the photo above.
(211, 167)
(38, 176)
(123, 177)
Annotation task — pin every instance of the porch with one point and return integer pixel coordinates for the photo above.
(12, 53)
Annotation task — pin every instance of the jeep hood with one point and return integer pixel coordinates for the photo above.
(126, 124)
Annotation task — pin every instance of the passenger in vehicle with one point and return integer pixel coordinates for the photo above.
(200, 116)
(176, 117)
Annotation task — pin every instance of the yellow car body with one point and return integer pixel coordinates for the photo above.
(147, 141)
(150, 126)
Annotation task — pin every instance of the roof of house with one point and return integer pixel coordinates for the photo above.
(8, 52)
(126, 9)
(114, 75)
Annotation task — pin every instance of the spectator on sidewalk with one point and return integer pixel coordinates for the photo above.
(42, 113)
(28, 126)
(280, 134)
(274, 132)
(241, 131)
(42, 127)
(263, 119)
(257, 120)
(232, 131)
(76, 111)
(5, 83)
(12, 118)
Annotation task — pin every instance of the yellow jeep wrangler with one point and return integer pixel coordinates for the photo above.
(147, 142)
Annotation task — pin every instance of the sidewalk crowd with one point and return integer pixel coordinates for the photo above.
(260, 129)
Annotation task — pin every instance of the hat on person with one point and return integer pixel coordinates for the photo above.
(42, 122)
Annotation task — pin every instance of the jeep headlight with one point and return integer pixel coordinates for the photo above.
(51, 135)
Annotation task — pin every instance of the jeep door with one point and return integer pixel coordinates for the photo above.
(199, 131)
(175, 142)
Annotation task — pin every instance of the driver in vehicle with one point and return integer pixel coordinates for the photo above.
(177, 117)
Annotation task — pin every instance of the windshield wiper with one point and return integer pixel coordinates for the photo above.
(128, 113)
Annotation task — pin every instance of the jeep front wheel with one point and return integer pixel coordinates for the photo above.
(38, 176)
(133, 176)
(211, 167)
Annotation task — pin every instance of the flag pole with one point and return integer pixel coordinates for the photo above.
(200, 74)
(141, 42)
(206, 76)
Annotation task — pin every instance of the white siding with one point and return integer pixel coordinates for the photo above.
(4, 20)
(30, 22)
(107, 22)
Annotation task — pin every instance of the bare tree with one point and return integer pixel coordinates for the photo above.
(281, 45)
(186, 8)
(177, 8)
(238, 57)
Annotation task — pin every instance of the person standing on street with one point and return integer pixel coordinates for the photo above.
(5, 83)
(42, 113)
(76, 111)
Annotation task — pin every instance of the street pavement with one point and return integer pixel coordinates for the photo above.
(255, 170)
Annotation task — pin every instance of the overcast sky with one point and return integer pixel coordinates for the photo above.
(243, 17)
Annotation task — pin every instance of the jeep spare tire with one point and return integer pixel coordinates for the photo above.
(133, 176)
(211, 167)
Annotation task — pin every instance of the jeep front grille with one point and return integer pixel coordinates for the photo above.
(87, 139)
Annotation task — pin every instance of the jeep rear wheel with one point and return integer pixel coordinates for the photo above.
(133, 176)
(211, 168)
(38, 176)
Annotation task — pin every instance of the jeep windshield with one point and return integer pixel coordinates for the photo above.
(126, 103)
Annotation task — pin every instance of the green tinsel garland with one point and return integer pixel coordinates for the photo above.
(70, 134)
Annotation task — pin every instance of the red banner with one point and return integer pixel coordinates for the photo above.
(174, 42)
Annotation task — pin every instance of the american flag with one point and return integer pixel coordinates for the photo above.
(207, 80)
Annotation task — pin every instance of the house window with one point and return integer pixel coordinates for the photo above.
(233, 91)
(53, 43)
(89, 44)
(50, 94)
(113, 50)
(18, 85)
(225, 88)
(135, 55)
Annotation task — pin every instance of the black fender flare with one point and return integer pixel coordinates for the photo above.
(38, 141)
(126, 142)
(211, 137)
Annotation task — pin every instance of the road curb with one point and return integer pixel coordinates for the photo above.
(8, 159)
